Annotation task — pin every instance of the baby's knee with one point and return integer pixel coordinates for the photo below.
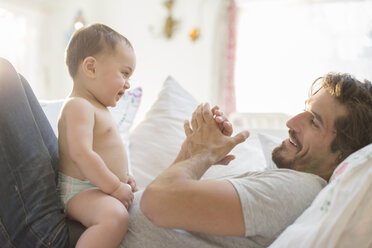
(118, 218)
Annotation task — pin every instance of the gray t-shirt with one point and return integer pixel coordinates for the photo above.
(271, 200)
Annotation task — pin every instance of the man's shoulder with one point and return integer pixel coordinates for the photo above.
(281, 177)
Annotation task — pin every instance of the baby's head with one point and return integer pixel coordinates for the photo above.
(90, 41)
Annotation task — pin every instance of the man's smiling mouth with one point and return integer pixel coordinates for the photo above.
(292, 142)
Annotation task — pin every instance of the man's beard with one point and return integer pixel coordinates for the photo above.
(278, 154)
(279, 159)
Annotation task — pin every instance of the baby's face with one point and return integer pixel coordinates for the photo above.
(113, 72)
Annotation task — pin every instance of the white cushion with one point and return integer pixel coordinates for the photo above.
(268, 143)
(340, 216)
(156, 140)
(52, 110)
(125, 111)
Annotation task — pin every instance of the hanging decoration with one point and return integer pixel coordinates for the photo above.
(79, 20)
(170, 24)
(77, 23)
(194, 33)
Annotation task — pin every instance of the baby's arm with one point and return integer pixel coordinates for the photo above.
(78, 115)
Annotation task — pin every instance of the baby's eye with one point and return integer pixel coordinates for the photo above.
(125, 74)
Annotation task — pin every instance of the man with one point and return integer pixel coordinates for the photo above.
(336, 122)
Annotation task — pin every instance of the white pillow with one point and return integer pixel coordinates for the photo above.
(340, 216)
(268, 143)
(125, 111)
(52, 110)
(156, 140)
(124, 114)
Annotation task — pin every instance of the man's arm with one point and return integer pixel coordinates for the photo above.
(177, 199)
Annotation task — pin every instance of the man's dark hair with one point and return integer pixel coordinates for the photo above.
(354, 130)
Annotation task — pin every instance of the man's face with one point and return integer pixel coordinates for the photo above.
(311, 133)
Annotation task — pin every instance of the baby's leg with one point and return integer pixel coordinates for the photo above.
(105, 217)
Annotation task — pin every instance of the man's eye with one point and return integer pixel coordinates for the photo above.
(313, 123)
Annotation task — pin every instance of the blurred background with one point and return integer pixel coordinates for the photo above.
(244, 55)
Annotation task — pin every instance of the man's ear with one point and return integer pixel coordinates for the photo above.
(89, 67)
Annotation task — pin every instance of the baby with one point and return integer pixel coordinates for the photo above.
(94, 183)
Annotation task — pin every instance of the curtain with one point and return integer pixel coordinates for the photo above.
(223, 91)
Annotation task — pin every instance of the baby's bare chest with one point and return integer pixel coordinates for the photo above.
(105, 128)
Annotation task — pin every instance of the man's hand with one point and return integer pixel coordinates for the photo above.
(205, 139)
(222, 121)
(224, 126)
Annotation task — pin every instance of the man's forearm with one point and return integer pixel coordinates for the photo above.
(184, 169)
(178, 199)
(165, 193)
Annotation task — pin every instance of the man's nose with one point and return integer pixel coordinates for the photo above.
(296, 122)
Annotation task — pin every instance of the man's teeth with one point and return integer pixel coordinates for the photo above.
(292, 142)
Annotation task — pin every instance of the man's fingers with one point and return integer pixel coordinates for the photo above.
(226, 160)
(214, 109)
(220, 119)
(207, 113)
(194, 123)
(227, 128)
(197, 117)
(187, 128)
(240, 137)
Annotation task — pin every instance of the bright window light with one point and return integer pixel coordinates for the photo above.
(12, 45)
(20, 43)
(283, 46)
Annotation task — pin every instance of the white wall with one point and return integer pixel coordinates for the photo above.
(141, 21)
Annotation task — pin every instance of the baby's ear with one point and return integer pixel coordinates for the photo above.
(89, 67)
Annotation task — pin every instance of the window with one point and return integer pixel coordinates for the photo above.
(20, 42)
(283, 46)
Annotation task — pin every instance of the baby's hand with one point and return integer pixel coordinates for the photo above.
(124, 194)
(222, 121)
(132, 183)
